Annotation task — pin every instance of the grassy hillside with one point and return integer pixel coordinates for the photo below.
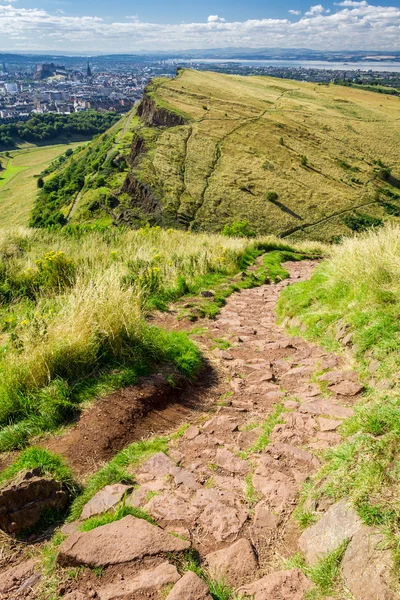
(209, 149)
(18, 184)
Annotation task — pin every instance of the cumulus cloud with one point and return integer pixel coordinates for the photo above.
(215, 19)
(353, 25)
(295, 12)
(318, 9)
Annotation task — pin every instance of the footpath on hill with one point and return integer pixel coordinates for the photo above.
(216, 506)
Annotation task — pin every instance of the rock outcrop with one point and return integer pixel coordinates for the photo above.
(24, 500)
(156, 115)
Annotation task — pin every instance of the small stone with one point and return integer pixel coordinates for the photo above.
(327, 407)
(328, 424)
(191, 432)
(159, 465)
(278, 490)
(150, 579)
(229, 462)
(105, 499)
(207, 294)
(280, 585)
(338, 524)
(190, 587)
(234, 563)
(264, 526)
(221, 424)
(69, 528)
(347, 388)
(247, 438)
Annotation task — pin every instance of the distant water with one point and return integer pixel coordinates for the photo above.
(307, 64)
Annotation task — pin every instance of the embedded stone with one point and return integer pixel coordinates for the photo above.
(159, 465)
(190, 587)
(347, 388)
(150, 579)
(234, 563)
(367, 566)
(118, 542)
(280, 585)
(328, 424)
(339, 523)
(229, 462)
(330, 408)
(105, 499)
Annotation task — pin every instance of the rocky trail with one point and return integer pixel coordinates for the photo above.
(226, 490)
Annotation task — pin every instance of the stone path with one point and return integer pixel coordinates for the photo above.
(228, 487)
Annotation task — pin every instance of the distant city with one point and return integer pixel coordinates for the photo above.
(55, 84)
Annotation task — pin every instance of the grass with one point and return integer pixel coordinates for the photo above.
(325, 575)
(18, 182)
(115, 515)
(50, 464)
(73, 308)
(267, 426)
(358, 288)
(211, 171)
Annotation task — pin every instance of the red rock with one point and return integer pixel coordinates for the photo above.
(234, 563)
(150, 579)
(327, 407)
(328, 424)
(260, 376)
(190, 587)
(159, 465)
(247, 438)
(280, 585)
(229, 462)
(167, 509)
(333, 377)
(264, 525)
(105, 499)
(223, 522)
(338, 524)
(278, 490)
(368, 565)
(347, 388)
(221, 423)
(191, 432)
(118, 542)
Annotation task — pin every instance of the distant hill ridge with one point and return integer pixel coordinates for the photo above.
(205, 150)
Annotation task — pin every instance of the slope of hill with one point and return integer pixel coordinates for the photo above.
(289, 156)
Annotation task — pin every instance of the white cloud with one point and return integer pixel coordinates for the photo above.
(358, 25)
(351, 3)
(215, 19)
(295, 12)
(318, 9)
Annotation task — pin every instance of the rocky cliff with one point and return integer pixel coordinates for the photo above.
(156, 115)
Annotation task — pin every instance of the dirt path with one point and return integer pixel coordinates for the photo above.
(231, 482)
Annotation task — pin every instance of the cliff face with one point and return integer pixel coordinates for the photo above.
(158, 116)
(142, 196)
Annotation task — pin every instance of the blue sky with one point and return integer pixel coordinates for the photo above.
(127, 26)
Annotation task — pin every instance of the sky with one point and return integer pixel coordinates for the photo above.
(130, 26)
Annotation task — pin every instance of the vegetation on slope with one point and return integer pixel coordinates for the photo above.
(84, 187)
(210, 149)
(357, 291)
(72, 308)
(42, 128)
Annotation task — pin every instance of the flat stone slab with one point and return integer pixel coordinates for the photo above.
(118, 542)
(168, 509)
(232, 564)
(339, 523)
(327, 407)
(278, 490)
(105, 499)
(150, 579)
(159, 465)
(367, 566)
(347, 388)
(222, 522)
(328, 424)
(190, 587)
(229, 462)
(280, 585)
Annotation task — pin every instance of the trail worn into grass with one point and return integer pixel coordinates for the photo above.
(229, 485)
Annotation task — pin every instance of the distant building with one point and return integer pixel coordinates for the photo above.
(4, 67)
(88, 70)
(11, 88)
(46, 70)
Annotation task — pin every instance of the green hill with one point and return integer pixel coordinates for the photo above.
(205, 150)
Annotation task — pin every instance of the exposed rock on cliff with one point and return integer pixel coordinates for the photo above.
(158, 116)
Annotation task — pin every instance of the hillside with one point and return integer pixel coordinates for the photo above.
(209, 149)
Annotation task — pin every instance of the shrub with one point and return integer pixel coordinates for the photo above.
(361, 221)
(304, 161)
(272, 196)
(239, 229)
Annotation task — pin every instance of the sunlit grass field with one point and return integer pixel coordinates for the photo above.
(18, 184)
(315, 146)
